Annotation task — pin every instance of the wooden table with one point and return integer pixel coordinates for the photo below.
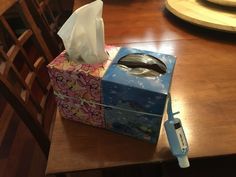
(203, 90)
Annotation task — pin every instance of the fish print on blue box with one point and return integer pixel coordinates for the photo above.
(136, 102)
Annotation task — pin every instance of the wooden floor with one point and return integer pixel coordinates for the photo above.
(137, 22)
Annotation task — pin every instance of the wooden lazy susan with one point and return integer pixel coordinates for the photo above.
(204, 13)
(230, 3)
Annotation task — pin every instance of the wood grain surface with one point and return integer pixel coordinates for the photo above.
(203, 13)
(203, 90)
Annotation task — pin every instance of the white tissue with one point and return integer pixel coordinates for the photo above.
(83, 34)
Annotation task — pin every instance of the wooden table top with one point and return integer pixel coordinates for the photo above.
(203, 90)
(203, 13)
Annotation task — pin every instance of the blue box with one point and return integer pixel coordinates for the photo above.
(135, 105)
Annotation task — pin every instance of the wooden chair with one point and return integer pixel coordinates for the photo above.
(50, 15)
(6, 114)
(24, 81)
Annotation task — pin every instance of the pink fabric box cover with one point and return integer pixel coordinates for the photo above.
(78, 86)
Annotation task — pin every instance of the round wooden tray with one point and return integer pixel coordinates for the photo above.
(230, 3)
(204, 14)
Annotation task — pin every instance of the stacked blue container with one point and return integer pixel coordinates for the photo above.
(134, 104)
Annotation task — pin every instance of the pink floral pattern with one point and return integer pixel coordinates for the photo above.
(76, 81)
(84, 113)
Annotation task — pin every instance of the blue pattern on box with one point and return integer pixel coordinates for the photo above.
(140, 100)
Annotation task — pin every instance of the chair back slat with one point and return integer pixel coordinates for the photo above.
(29, 120)
(24, 81)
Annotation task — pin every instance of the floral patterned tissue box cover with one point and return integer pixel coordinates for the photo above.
(78, 86)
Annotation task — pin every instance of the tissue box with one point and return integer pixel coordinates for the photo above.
(105, 95)
(77, 87)
(136, 104)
